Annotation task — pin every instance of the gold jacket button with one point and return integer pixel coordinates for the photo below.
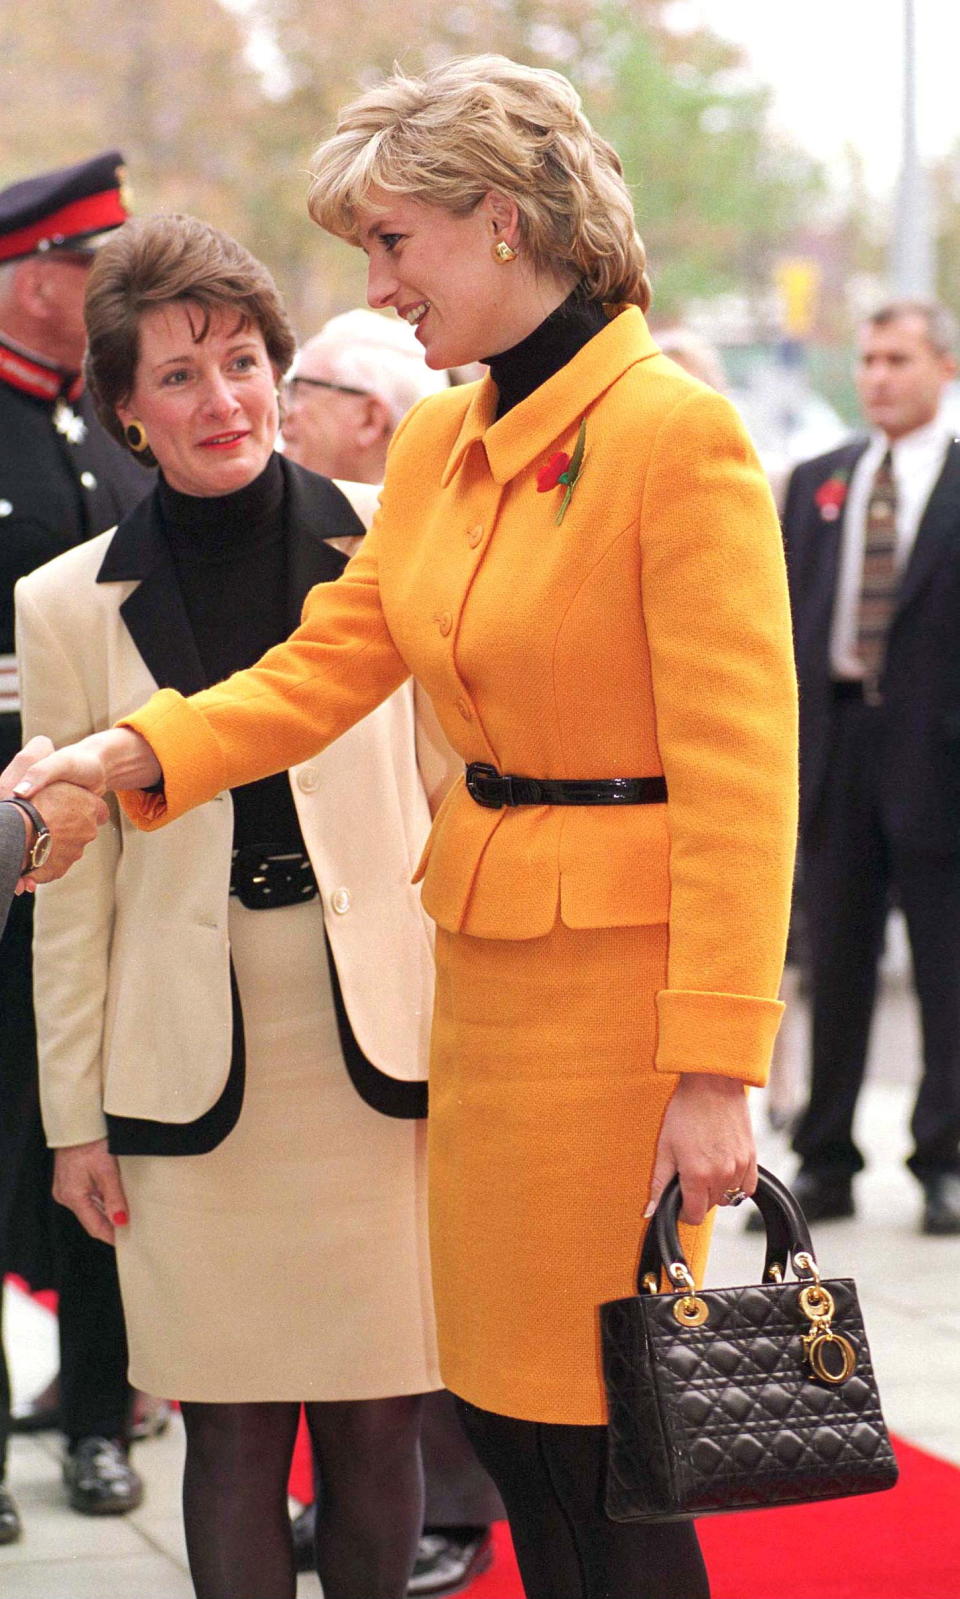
(444, 622)
(308, 780)
(474, 536)
(464, 709)
(340, 900)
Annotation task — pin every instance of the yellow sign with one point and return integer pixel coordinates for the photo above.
(798, 281)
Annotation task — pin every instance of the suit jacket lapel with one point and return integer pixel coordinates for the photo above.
(938, 526)
(154, 613)
(826, 537)
(316, 511)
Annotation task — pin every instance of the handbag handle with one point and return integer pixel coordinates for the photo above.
(788, 1236)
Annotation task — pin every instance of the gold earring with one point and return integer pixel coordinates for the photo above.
(503, 252)
(136, 436)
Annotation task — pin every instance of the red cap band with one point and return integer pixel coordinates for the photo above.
(87, 216)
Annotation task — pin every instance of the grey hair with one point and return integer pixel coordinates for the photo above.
(941, 324)
(380, 355)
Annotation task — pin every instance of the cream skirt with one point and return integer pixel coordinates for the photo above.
(291, 1262)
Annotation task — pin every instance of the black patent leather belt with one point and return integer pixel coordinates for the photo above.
(264, 881)
(495, 789)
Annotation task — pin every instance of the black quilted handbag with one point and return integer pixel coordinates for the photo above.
(738, 1398)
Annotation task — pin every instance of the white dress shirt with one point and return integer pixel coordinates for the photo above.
(917, 461)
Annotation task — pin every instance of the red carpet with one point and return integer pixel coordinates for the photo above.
(899, 1545)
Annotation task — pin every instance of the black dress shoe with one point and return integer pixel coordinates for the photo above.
(821, 1198)
(99, 1478)
(448, 1560)
(10, 1528)
(302, 1528)
(941, 1206)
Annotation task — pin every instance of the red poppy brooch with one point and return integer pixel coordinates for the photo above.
(830, 496)
(565, 470)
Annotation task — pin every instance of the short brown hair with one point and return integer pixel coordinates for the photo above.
(486, 123)
(155, 261)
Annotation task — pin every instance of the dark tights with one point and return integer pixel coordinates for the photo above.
(235, 1497)
(551, 1480)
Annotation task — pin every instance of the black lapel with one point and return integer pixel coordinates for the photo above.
(316, 511)
(154, 614)
(818, 554)
(939, 526)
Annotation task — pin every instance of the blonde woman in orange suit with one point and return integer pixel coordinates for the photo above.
(579, 560)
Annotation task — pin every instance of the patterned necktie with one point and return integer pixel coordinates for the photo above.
(878, 589)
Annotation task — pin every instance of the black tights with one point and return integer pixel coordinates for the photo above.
(370, 1497)
(551, 1480)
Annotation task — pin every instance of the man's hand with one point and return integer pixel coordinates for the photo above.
(86, 1178)
(73, 816)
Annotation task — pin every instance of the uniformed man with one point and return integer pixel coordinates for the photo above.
(62, 480)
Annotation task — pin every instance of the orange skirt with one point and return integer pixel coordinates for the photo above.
(544, 1116)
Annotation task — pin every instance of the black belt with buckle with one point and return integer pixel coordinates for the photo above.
(265, 880)
(495, 789)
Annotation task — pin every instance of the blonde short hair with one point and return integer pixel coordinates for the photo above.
(485, 123)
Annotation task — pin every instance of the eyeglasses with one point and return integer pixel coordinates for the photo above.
(292, 384)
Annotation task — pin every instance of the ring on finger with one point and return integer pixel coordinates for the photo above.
(733, 1196)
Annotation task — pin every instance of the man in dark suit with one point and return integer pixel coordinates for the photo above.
(61, 481)
(873, 549)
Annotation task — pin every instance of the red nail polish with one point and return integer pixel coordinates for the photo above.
(120, 1218)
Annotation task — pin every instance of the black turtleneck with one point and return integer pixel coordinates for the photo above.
(230, 554)
(543, 352)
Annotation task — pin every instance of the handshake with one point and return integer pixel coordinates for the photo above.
(58, 826)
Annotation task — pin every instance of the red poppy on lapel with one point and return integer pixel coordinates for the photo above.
(549, 476)
(830, 495)
(564, 469)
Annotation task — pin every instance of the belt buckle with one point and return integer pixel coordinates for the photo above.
(480, 773)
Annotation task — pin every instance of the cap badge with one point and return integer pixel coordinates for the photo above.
(125, 191)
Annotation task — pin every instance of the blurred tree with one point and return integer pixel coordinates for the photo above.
(945, 187)
(718, 198)
(212, 126)
(167, 82)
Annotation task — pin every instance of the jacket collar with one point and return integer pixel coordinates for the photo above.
(154, 613)
(513, 442)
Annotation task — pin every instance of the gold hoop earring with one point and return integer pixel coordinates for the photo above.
(503, 252)
(136, 436)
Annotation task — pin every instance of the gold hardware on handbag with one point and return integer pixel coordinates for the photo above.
(736, 1398)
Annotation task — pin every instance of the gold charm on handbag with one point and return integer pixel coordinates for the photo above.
(831, 1357)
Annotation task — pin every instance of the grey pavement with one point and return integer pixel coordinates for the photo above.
(906, 1282)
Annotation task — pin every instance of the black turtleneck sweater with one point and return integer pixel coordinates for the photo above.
(230, 554)
(543, 352)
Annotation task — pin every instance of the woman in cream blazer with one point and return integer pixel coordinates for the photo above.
(579, 560)
(233, 1029)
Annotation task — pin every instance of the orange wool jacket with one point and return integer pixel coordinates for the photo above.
(646, 633)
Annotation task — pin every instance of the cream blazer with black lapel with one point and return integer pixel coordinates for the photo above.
(132, 981)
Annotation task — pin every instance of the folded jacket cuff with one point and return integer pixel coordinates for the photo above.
(188, 753)
(727, 1035)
